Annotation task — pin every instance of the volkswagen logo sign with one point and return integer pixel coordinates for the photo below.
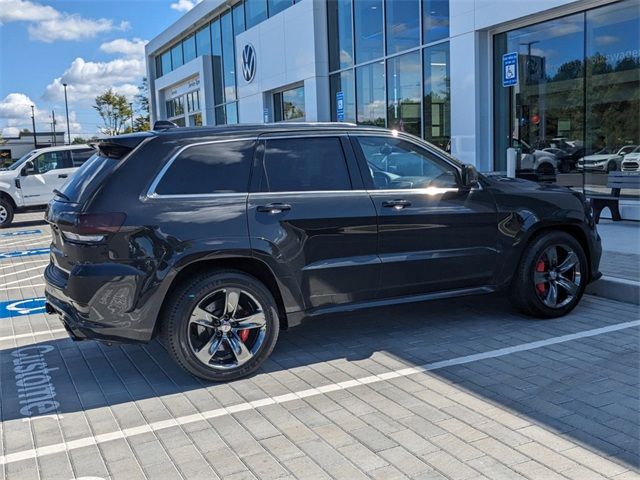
(248, 63)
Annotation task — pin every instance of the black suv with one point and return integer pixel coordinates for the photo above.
(216, 238)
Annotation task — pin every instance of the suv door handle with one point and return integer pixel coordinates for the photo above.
(396, 204)
(274, 208)
(63, 175)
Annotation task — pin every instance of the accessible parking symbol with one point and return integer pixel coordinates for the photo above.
(16, 308)
(24, 253)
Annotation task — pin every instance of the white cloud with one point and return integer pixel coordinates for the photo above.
(129, 48)
(48, 24)
(86, 80)
(25, 11)
(15, 114)
(184, 5)
(10, 132)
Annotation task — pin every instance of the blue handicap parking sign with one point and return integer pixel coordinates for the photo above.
(340, 106)
(19, 232)
(16, 308)
(509, 69)
(24, 253)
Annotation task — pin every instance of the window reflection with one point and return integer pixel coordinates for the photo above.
(435, 20)
(343, 82)
(403, 25)
(404, 93)
(340, 34)
(368, 30)
(370, 88)
(437, 100)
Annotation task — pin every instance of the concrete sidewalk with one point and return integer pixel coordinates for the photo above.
(620, 263)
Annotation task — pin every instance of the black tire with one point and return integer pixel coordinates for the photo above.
(177, 332)
(529, 297)
(6, 213)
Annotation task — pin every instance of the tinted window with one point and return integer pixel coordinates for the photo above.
(78, 157)
(49, 161)
(397, 164)
(212, 168)
(305, 164)
(88, 178)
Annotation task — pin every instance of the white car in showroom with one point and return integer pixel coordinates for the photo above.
(605, 160)
(631, 162)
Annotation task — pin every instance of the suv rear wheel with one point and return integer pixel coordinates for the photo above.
(221, 326)
(6, 212)
(551, 277)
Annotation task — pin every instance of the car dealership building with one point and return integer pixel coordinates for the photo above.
(472, 76)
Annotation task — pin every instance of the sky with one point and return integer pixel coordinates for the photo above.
(89, 44)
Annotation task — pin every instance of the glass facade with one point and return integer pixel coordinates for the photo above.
(217, 38)
(576, 107)
(289, 105)
(389, 62)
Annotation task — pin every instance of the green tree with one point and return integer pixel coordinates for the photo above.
(114, 110)
(78, 141)
(141, 122)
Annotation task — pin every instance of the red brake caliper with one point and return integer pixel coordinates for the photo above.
(243, 334)
(540, 267)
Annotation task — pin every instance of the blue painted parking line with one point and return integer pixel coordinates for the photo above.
(24, 253)
(16, 308)
(20, 232)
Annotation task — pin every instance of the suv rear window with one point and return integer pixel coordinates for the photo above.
(88, 178)
(210, 168)
(305, 164)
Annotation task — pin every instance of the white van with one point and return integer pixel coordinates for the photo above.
(30, 181)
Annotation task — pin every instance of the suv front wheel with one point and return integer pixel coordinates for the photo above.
(220, 326)
(6, 213)
(551, 277)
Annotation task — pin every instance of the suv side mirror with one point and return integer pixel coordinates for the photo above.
(28, 169)
(469, 176)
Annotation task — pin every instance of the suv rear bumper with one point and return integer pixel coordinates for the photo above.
(92, 305)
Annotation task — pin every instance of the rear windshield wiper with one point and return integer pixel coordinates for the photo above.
(60, 194)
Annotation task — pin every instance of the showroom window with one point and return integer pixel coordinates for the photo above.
(436, 102)
(406, 89)
(289, 105)
(369, 41)
(189, 48)
(404, 79)
(343, 84)
(403, 25)
(577, 102)
(370, 94)
(340, 34)
(255, 11)
(176, 57)
(203, 41)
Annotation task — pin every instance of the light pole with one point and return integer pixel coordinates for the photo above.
(33, 121)
(131, 112)
(66, 107)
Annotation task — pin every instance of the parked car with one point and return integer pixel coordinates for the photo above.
(31, 180)
(216, 238)
(605, 160)
(631, 161)
(538, 161)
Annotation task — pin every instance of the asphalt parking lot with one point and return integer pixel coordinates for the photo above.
(461, 389)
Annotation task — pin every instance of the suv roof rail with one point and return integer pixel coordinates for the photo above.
(164, 125)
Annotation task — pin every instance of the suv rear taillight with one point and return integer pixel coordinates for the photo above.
(92, 227)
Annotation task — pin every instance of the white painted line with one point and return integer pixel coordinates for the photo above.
(39, 267)
(19, 264)
(33, 334)
(24, 286)
(22, 280)
(241, 407)
(25, 242)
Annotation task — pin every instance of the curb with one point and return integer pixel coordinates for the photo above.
(614, 288)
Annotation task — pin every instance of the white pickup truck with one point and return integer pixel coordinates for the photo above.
(30, 181)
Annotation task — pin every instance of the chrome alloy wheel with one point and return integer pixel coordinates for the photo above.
(227, 328)
(3, 214)
(557, 276)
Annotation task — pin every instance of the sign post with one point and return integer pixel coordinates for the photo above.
(340, 106)
(510, 69)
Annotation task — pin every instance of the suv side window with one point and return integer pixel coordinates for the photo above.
(211, 168)
(78, 157)
(49, 161)
(395, 164)
(305, 164)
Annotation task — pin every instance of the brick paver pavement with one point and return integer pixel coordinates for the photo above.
(459, 389)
